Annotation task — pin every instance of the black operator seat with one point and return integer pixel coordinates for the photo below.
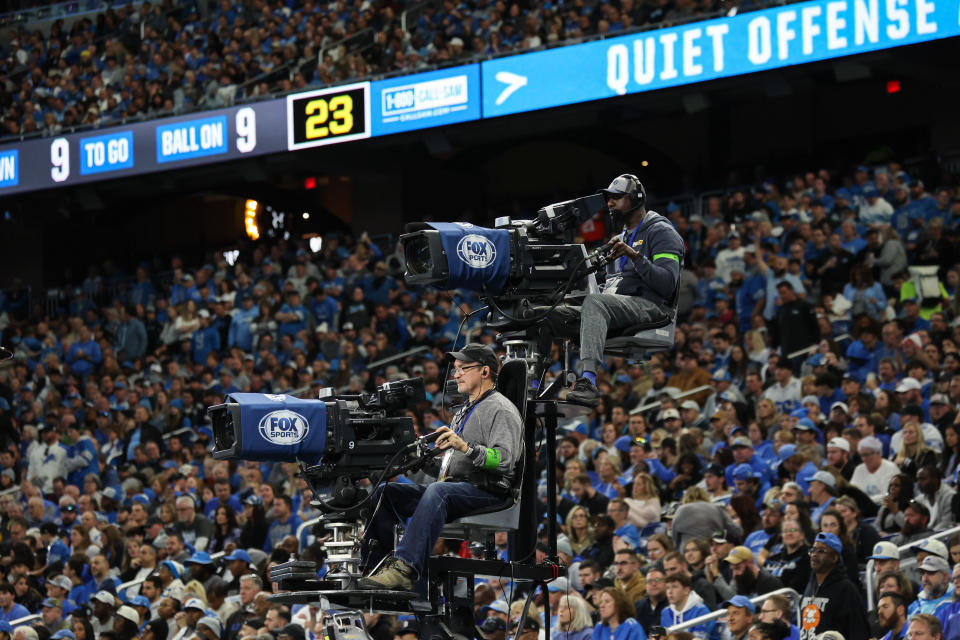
(512, 382)
(656, 336)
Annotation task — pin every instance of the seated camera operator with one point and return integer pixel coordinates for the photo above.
(643, 275)
(476, 471)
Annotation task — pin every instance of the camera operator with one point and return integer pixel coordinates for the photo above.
(481, 449)
(643, 275)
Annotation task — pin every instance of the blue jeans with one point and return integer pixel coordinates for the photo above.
(600, 315)
(429, 508)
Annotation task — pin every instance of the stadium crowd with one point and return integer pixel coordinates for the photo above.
(820, 432)
(163, 58)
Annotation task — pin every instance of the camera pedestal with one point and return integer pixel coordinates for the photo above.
(445, 610)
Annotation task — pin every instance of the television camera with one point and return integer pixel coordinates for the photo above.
(338, 442)
(522, 267)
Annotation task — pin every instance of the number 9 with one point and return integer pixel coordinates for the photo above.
(60, 159)
(246, 120)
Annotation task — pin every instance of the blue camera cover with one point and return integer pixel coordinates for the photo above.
(478, 258)
(281, 427)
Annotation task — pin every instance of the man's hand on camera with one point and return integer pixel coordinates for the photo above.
(621, 248)
(450, 440)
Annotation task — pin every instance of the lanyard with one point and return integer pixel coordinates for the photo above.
(472, 407)
(623, 260)
(445, 463)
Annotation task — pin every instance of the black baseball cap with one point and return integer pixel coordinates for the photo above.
(479, 353)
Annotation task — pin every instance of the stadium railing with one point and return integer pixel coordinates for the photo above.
(305, 524)
(677, 396)
(19, 622)
(814, 347)
(790, 593)
(71, 9)
(903, 563)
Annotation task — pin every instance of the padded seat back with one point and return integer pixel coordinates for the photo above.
(512, 382)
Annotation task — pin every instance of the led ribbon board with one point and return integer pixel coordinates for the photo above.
(707, 50)
(143, 147)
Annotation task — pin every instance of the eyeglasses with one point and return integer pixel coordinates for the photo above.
(459, 370)
(654, 580)
(791, 531)
(816, 550)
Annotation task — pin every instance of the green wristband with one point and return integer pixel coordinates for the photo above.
(667, 255)
(492, 460)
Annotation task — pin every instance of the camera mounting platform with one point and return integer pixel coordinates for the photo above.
(380, 601)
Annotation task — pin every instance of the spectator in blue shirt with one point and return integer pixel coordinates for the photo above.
(223, 496)
(324, 308)
(379, 288)
(240, 333)
(292, 317)
(142, 292)
(131, 336)
(84, 354)
(205, 340)
(285, 522)
(10, 610)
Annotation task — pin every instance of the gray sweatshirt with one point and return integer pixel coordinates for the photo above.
(494, 424)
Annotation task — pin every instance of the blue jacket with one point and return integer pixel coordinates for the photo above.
(949, 620)
(85, 450)
(239, 334)
(204, 341)
(935, 606)
(629, 629)
(692, 608)
(84, 366)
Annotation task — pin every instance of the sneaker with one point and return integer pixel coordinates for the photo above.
(393, 575)
(584, 392)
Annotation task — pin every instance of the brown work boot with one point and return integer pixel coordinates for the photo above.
(393, 575)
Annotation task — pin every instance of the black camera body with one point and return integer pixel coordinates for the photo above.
(338, 440)
(517, 265)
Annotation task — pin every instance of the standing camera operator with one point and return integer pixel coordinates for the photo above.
(643, 275)
(476, 471)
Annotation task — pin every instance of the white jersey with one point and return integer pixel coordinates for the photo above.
(786, 397)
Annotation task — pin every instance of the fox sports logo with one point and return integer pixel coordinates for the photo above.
(284, 427)
(476, 251)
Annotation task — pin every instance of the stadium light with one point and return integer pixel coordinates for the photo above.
(306, 215)
(250, 219)
(316, 243)
(893, 86)
(231, 256)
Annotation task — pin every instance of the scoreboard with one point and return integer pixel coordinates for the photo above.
(694, 52)
(143, 147)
